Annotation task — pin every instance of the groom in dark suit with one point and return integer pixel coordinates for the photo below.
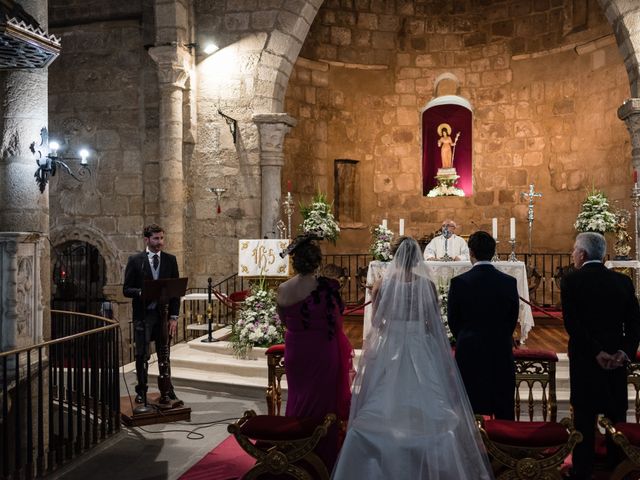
(602, 318)
(482, 313)
(152, 263)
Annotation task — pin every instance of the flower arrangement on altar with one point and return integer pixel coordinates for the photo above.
(443, 299)
(595, 215)
(446, 188)
(258, 323)
(318, 218)
(381, 246)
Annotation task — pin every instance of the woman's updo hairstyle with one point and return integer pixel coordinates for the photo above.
(397, 242)
(307, 257)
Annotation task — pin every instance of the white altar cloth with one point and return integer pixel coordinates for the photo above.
(443, 272)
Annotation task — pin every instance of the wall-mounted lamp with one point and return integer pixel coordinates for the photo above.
(232, 123)
(49, 164)
(210, 48)
(218, 191)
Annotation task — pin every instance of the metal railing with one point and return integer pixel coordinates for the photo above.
(59, 397)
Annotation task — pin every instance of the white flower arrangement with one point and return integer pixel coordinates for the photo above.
(258, 323)
(381, 246)
(318, 219)
(595, 215)
(443, 298)
(445, 191)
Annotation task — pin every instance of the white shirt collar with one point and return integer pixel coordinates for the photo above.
(150, 254)
(590, 261)
(482, 262)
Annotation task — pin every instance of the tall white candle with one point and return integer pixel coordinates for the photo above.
(512, 229)
(401, 227)
(494, 228)
(384, 222)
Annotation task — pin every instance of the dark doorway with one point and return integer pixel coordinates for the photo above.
(79, 275)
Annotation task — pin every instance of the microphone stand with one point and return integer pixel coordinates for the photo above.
(209, 338)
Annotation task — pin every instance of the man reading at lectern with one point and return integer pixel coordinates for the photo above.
(152, 263)
(448, 245)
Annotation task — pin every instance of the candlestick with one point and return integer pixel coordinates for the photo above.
(494, 228)
(288, 208)
(512, 255)
(495, 254)
(401, 227)
(384, 222)
(512, 228)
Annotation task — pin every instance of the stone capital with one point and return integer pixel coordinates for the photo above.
(173, 65)
(272, 128)
(629, 112)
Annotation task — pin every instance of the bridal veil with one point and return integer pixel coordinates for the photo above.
(410, 416)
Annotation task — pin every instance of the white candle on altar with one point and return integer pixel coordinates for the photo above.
(494, 228)
(384, 222)
(512, 229)
(401, 227)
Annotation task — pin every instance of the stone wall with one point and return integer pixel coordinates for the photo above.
(544, 78)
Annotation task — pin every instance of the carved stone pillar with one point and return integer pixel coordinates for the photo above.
(173, 71)
(23, 115)
(629, 112)
(21, 306)
(272, 128)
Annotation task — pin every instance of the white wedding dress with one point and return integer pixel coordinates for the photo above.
(410, 417)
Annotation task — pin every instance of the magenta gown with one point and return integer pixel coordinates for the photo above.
(318, 361)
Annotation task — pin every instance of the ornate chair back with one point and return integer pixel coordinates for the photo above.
(536, 370)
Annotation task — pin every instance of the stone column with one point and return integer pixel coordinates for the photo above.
(629, 112)
(272, 128)
(173, 72)
(23, 115)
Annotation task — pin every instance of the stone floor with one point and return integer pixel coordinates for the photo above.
(158, 452)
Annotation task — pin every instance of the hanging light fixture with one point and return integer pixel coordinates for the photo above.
(218, 191)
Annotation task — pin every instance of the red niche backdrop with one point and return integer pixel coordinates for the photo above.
(447, 142)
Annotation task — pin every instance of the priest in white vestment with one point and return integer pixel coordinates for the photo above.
(449, 244)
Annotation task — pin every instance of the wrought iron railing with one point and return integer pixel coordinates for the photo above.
(59, 397)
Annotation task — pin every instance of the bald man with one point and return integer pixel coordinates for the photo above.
(448, 242)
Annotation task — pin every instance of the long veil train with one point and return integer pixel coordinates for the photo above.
(410, 416)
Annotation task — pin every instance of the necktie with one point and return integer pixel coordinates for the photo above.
(156, 261)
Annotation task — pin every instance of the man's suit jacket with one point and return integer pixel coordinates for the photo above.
(482, 313)
(601, 313)
(137, 271)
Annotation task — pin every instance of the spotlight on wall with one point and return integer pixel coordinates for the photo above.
(49, 164)
(210, 48)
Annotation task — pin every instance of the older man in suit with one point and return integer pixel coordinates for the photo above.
(602, 318)
(482, 313)
(152, 263)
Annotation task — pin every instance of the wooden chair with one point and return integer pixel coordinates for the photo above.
(282, 445)
(528, 450)
(275, 371)
(627, 437)
(537, 367)
(633, 379)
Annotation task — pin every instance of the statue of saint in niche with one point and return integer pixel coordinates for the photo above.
(447, 145)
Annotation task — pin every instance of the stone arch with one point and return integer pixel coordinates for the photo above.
(623, 17)
(279, 55)
(107, 249)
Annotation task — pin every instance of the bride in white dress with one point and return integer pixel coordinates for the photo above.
(410, 417)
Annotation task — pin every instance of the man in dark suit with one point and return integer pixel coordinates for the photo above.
(482, 313)
(602, 318)
(152, 263)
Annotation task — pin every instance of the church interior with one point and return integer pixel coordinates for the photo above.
(222, 121)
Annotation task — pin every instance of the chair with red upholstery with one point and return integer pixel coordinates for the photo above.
(633, 379)
(536, 369)
(527, 450)
(627, 436)
(275, 371)
(282, 445)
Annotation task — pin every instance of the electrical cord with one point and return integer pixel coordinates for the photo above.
(192, 434)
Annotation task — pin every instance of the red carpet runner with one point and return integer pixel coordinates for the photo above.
(225, 462)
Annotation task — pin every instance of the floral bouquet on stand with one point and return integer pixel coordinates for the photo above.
(318, 219)
(381, 246)
(443, 298)
(258, 323)
(595, 215)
